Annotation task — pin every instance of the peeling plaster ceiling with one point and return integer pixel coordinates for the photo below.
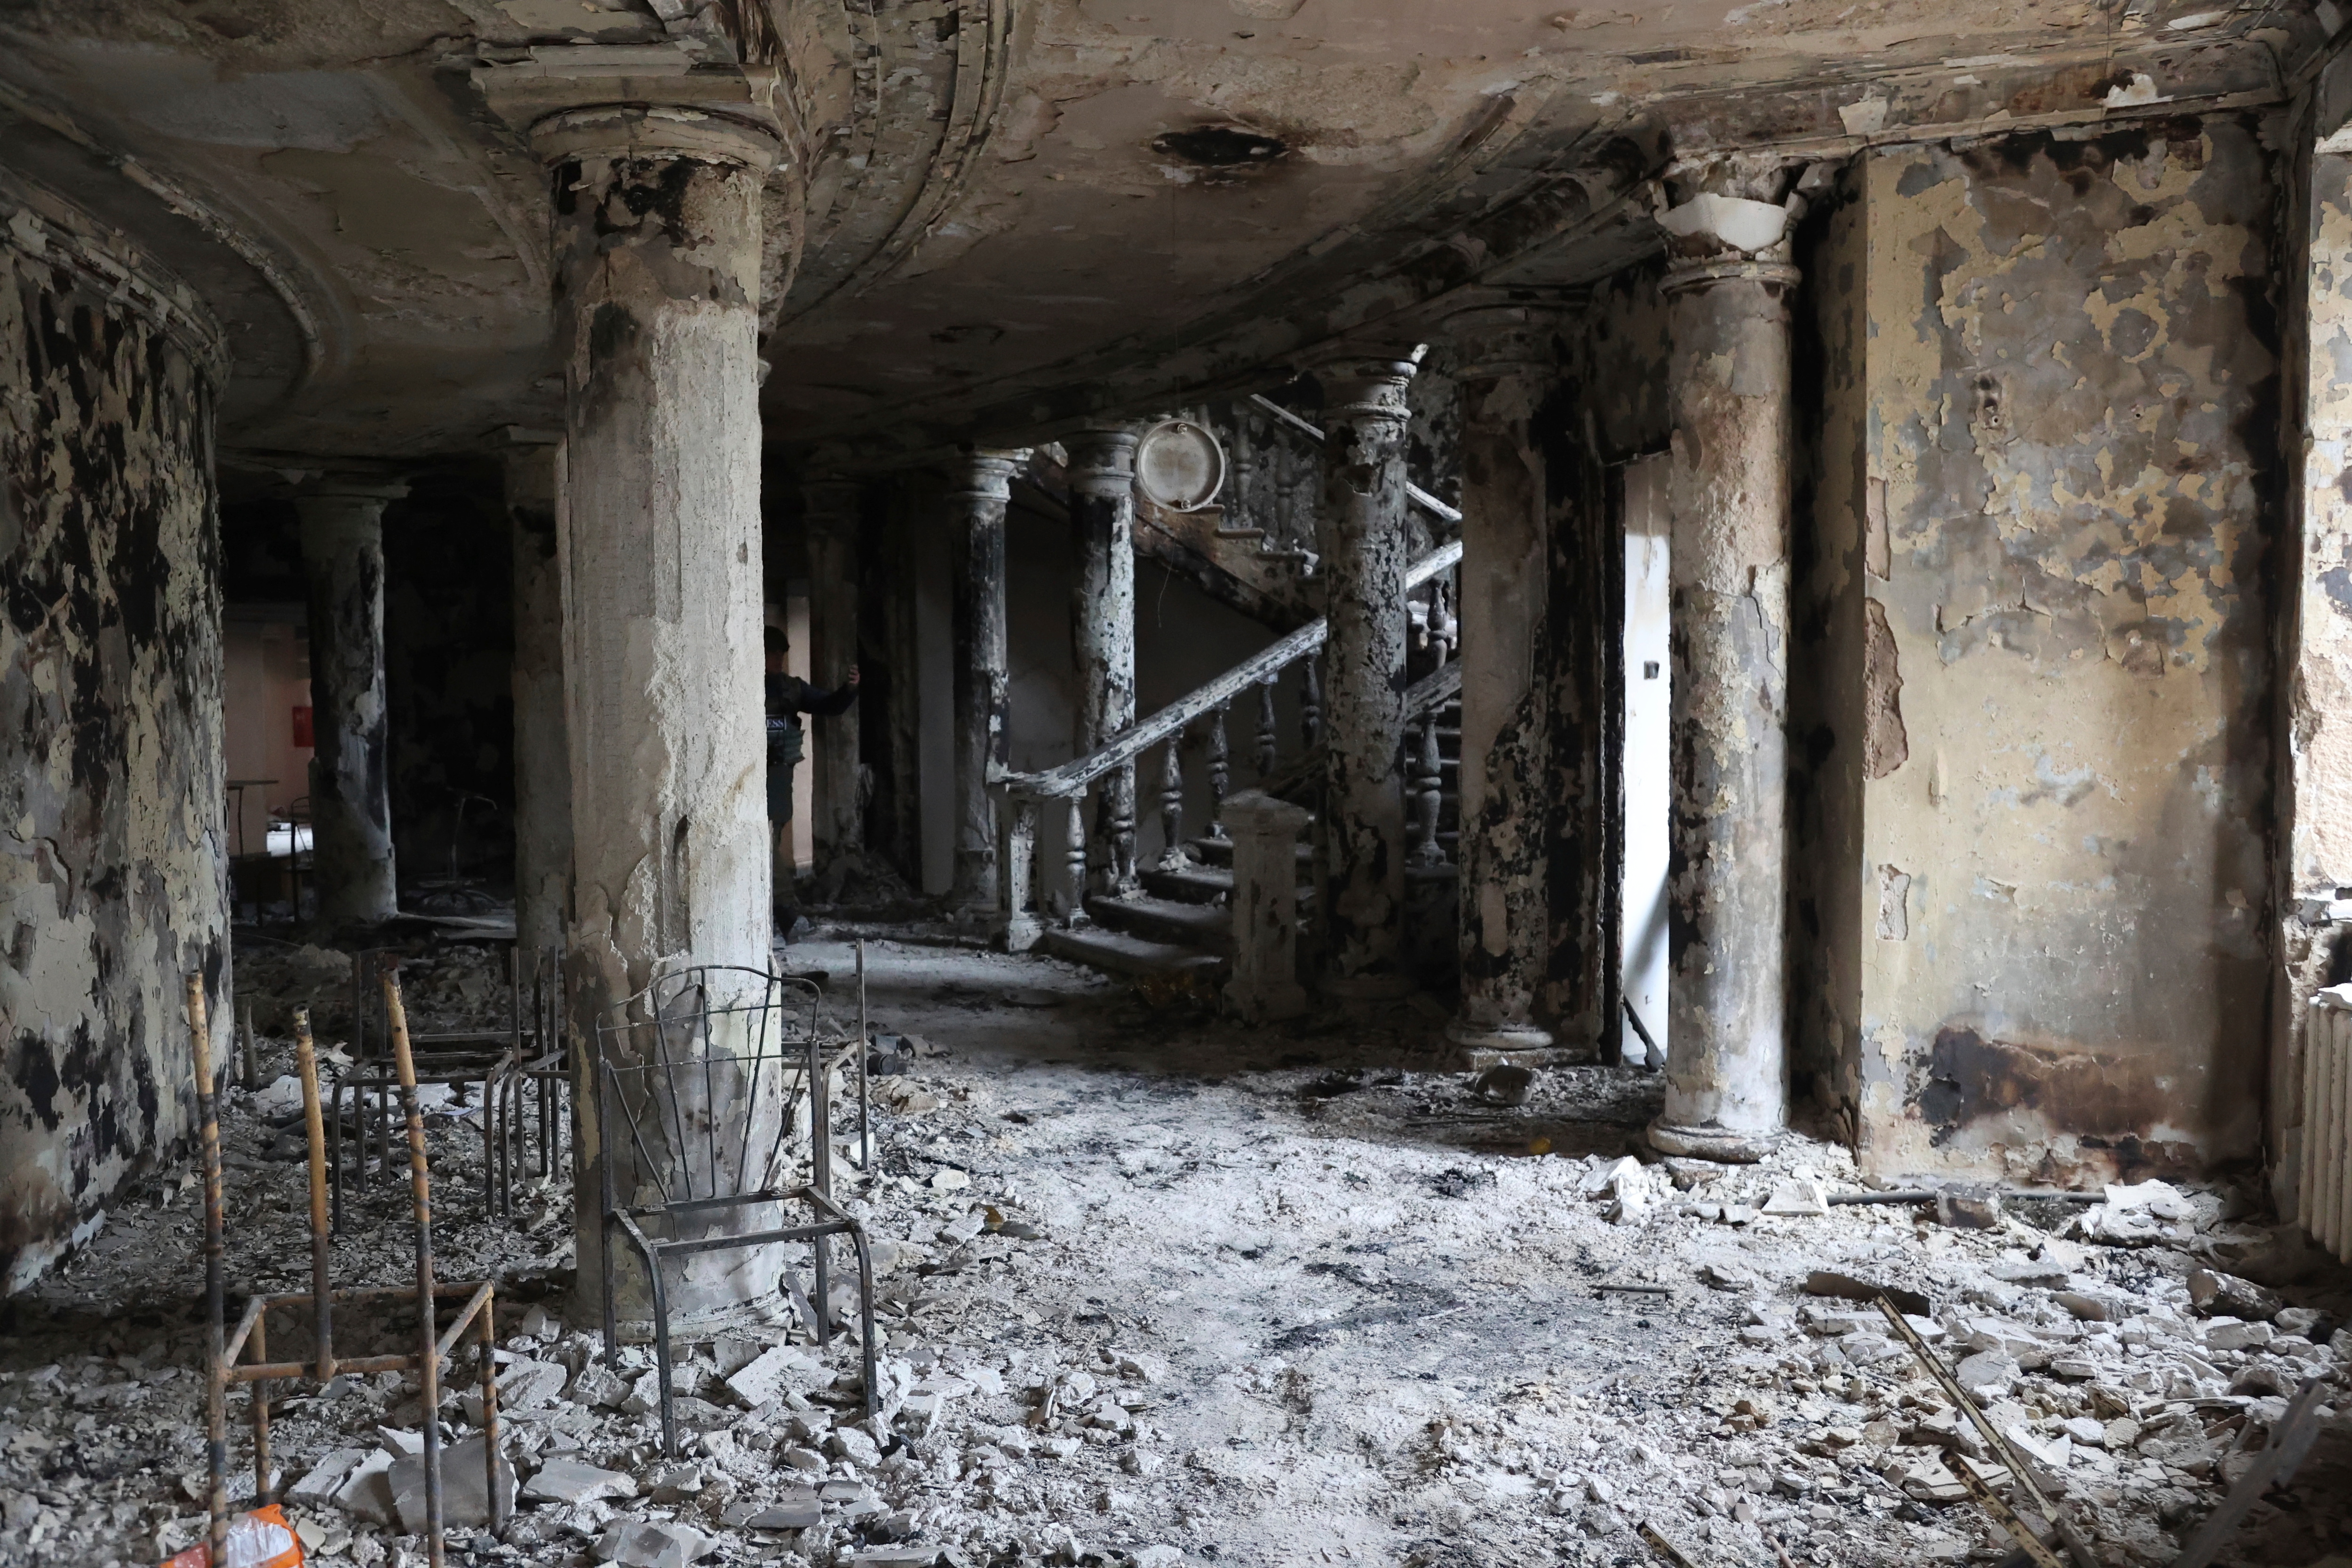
(1018, 212)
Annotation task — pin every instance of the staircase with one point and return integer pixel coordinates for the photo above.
(1174, 918)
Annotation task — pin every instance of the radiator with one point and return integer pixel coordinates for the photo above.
(2327, 1185)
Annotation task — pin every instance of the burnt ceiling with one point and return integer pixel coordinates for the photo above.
(1004, 216)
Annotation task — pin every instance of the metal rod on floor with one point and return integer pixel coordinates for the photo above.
(322, 1314)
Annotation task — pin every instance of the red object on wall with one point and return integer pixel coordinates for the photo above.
(302, 727)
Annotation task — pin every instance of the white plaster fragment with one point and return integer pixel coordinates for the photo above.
(1733, 221)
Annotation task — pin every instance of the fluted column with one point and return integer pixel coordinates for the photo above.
(831, 519)
(1102, 636)
(543, 755)
(1728, 287)
(980, 487)
(351, 768)
(1508, 365)
(1360, 534)
(659, 239)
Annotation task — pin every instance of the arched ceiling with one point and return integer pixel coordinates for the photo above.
(1017, 212)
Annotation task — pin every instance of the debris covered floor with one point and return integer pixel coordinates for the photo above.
(1160, 1290)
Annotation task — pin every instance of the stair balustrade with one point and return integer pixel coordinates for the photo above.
(1022, 796)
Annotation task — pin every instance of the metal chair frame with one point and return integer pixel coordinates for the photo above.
(505, 1063)
(781, 1016)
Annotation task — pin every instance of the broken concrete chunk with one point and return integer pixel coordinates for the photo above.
(326, 1476)
(645, 1543)
(568, 1481)
(464, 1487)
(774, 1372)
(2232, 1335)
(1986, 1373)
(366, 1492)
(599, 1386)
(1797, 1198)
(2088, 1309)
(855, 1446)
(803, 1513)
(2216, 1295)
(1968, 1208)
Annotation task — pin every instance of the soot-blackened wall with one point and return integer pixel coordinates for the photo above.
(112, 876)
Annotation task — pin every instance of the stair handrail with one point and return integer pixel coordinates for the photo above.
(1435, 690)
(1412, 492)
(1075, 775)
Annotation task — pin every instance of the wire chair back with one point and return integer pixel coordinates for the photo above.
(705, 1070)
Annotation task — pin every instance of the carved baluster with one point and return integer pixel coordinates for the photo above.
(1118, 828)
(1074, 860)
(1428, 775)
(1220, 769)
(1269, 748)
(1172, 804)
(1310, 702)
(1445, 631)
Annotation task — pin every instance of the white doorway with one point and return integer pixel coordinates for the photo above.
(1646, 769)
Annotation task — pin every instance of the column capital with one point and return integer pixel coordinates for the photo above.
(1732, 218)
(985, 473)
(636, 101)
(1102, 460)
(1365, 377)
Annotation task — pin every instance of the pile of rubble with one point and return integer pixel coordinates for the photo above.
(1290, 1314)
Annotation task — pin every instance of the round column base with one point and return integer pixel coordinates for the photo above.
(1476, 1037)
(1718, 1143)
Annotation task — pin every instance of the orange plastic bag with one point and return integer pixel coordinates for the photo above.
(261, 1539)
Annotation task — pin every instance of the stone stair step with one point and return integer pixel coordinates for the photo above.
(1219, 851)
(1206, 927)
(1117, 953)
(1191, 885)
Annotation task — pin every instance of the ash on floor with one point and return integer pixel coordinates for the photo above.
(1158, 1290)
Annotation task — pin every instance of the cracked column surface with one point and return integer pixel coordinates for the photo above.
(542, 756)
(1361, 534)
(979, 488)
(351, 770)
(1102, 636)
(831, 514)
(1508, 365)
(1728, 287)
(657, 245)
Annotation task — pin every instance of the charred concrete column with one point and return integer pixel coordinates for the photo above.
(982, 485)
(542, 756)
(831, 515)
(1508, 365)
(350, 770)
(1728, 496)
(1360, 531)
(658, 251)
(1102, 636)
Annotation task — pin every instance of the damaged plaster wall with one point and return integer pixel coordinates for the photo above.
(112, 876)
(2071, 394)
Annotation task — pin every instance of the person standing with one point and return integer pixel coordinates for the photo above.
(789, 697)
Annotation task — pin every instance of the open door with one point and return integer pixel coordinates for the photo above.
(1645, 767)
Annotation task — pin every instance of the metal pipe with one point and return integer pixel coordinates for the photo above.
(1313, 432)
(420, 1189)
(216, 1282)
(262, 1496)
(323, 1311)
